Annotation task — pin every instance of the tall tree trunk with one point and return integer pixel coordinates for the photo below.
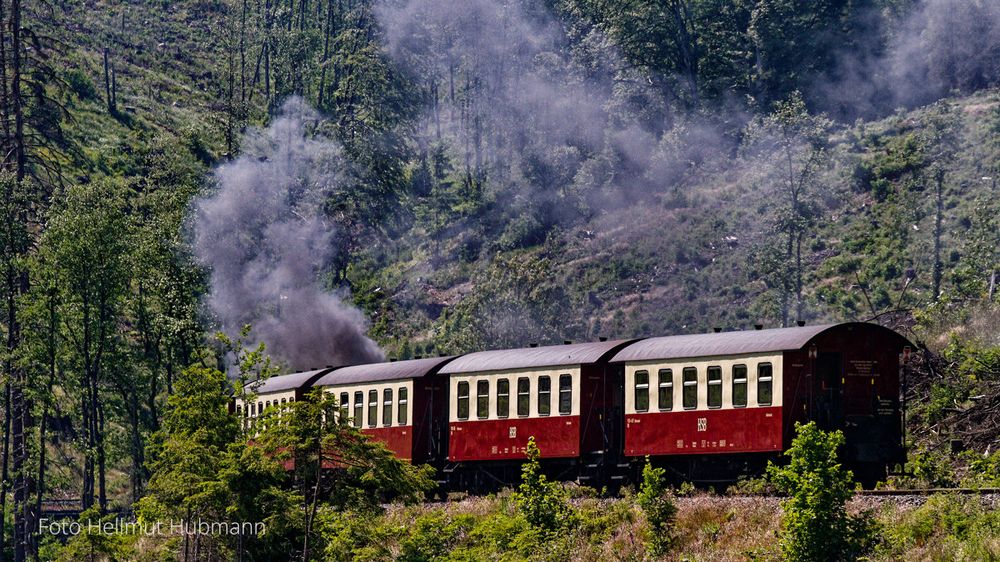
(43, 423)
(938, 219)
(8, 385)
(243, 52)
(314, 501)
(5, 471)
(798, 277)
(108, 96)
(267, 52)
(328, 31)
(17, 284)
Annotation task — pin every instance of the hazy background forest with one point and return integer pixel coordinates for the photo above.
(359, 179)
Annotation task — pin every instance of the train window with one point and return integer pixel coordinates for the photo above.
(739, 385)
(401, 405)
(372, 408)
(523, 395)
(565, 394)
(641, 391)
(503, 398)
(463, 400)
(764, 384)
(690, 388)
(715, 387)
(345, 405)
(483, 399)
(544, 396)
(359, 406)
(665, 386)
(387, 407)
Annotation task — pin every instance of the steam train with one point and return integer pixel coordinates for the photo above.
(709, 407)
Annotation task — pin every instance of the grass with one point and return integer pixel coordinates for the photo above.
(708, 527)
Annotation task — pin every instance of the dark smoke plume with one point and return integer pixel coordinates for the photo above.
(266, 240)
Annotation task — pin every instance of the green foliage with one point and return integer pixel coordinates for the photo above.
(543, 503)
(516, 303)
(433, 535)
(946, 527)
(816, 525)
(313, 435)
(94, 544)
(80, 84)
(659, 509)
(926, 468)
(984, 470)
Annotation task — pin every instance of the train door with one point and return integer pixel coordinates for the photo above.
(830, 391)
(616, 409)
(439, 417)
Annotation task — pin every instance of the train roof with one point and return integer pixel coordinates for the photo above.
(394, 370)
(532, 357)
(723, 343)
(282, 383)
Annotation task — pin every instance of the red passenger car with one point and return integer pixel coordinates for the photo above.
(400, 403)
(713, 404)
(564, 396)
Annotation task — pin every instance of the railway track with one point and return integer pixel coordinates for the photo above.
(931, 491)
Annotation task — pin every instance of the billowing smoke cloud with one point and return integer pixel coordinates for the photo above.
(266, 240)
(935, 49)
(554, 116)
(946, 45)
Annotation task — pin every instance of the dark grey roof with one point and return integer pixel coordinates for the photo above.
(410, 369)
(284, 383)
(527, 358)
(723, 343)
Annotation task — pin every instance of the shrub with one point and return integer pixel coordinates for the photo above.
(946, 527)
(433, 535)
(80, 84)
(816, 526)
(542, 502)
(659, 509)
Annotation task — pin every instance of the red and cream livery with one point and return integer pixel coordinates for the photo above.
(398, 403)
(503, 397)
(739, 394)
(711, 406)
(276, 392)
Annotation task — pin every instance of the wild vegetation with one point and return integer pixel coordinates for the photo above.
(458, 175)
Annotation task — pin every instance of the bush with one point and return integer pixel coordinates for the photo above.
(659, 509)
(80, 84)
(433, 535)
(946, 527)
(543, 503)
(816, 526)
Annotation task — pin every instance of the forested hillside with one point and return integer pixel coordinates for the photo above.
(197, 191)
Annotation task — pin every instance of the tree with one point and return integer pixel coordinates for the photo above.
(188, 455)
(799, 44)
(542, 502)
(661, 37)
(659, 508)
(792, 146)
(333, 463)
(88, 244)
(816, 526)
(515, 303)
